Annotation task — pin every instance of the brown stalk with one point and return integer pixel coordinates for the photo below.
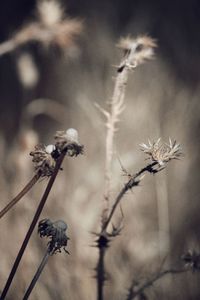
(32, 226)
(25, 190)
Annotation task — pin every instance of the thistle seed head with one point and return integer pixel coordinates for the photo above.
(161, 152)
(43, 161)
(56, 231)
(136, 51)
(68, 141)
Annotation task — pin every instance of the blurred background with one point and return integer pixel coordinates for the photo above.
(48, 86)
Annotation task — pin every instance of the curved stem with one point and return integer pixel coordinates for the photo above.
(133, 181)
(150, 282)
(32, 226)
(25, 190)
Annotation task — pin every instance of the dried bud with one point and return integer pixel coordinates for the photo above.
(43, 160)
(192, 260)
(162, 152)
(56, 232)
(68, 141)
(136, 51)
(50, 12)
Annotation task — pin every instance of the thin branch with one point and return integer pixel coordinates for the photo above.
(132, 294)
(32, 226)
(133, 181)
(25, 190)
(37, 275)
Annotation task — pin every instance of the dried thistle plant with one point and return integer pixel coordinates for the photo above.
(51, 27)
(135, 51)
(56, 231)
(69, 147)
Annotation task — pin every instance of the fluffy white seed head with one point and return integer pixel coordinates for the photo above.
(50, 148)
(72, 135)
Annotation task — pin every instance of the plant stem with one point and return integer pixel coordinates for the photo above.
(7, 46)
(117, 106)
(151, 281)
(101, 267)
(32, 226)
(25, 190)
(133, 181)
(37, 275)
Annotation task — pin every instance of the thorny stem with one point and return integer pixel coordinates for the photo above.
(133, 181)
(25, 190)
(37, 275)
(32, 226)
(103, 240)
(117, 106)
(101, 273)
(132, 294)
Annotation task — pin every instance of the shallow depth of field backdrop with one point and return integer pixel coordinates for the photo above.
(161, 217)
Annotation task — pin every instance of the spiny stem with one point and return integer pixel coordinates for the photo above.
(32, 226)
(133, 181)
(100, 273)
(25, 190)
(37, 275)
(117, 106)
(151, 281)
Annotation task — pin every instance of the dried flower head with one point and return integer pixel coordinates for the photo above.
(192, 260)
(162, 152)
(51, 28)
(57, 233)
(136, 51)
(50, 12)
(43, 161)
(68, 141)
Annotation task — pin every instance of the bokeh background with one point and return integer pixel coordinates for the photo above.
(44, 89)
